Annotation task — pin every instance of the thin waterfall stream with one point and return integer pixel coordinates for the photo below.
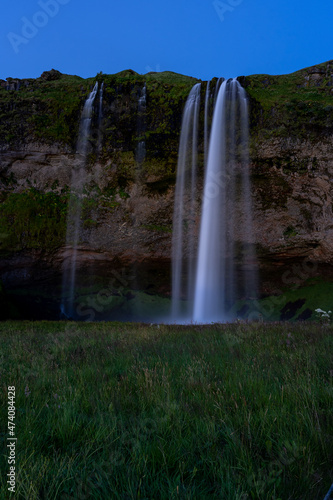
(75, 207)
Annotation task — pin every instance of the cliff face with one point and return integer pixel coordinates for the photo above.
(291, 154)
(128, 207)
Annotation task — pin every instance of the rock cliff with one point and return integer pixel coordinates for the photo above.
(128, 206)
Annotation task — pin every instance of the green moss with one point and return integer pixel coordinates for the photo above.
(146, 306)
(294, 303)
(293, 104)
(90, 224)
(47, 110)
(162, 168)
(161, 186)
(290, 232)
(126, 168)
(33, 219)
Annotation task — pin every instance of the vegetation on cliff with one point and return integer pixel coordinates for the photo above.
(42, 110)
(296, 105)
(33, 220)
(48, 110)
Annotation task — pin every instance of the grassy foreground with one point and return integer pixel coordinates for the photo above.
(134, 411)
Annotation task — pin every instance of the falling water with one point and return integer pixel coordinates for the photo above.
(140, 154)
(75, 206)
(100, 118)
(85, 123)
(206, 138)
(217, 88)
(225, 261)
(219, 267)
(183, 238)
(141, 147)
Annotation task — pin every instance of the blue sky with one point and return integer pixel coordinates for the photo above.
(196, 38)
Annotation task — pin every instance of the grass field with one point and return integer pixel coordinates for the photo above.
(135, 411)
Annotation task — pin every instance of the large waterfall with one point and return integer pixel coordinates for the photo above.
(225, 258)
(75, 207)
(206, 138)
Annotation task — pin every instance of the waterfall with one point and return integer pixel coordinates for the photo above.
(85, 123)
(75, 206)
(100, 117)
(206, 136)
(225, 260)
(220, 268)
(183, 237)
(141, 147)
(217, 88)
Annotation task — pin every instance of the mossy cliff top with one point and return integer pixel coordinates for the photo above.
(298, 105)
(47, 109)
